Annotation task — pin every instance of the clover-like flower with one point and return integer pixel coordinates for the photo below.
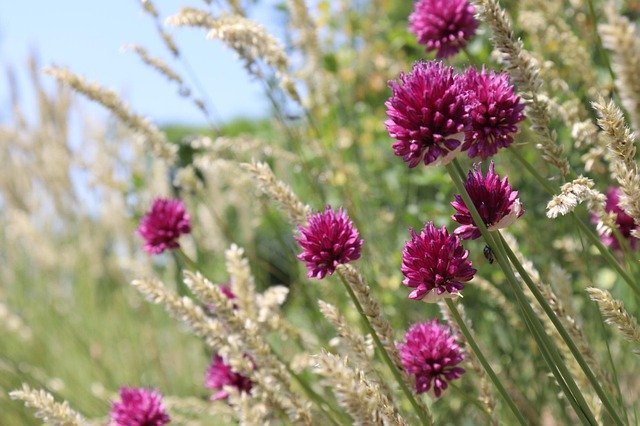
(139, 407)
(494, 112)
(427, 114)
(435, 264)
(328, 240)
(219, 374)
(625, 223)
(445, 26)
(430, 353)
(161, 226)
(497, 204)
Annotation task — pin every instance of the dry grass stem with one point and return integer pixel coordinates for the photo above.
(46, 408)
(616, 314)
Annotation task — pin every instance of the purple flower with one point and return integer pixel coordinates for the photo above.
(220, 375)
(328, 240)
(163, 224)
(431, 354)
(625, 222)
(494, 112)
(497, 204)
(443, 25)
(139, 407)
(427, 114)
(435, 264)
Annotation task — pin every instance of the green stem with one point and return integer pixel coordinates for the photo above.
(485, 364)
(599, 45)
(547, 347)
(425, 418)
(604, 397)
(554, 362)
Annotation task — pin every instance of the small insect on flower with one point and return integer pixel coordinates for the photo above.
(488, 254)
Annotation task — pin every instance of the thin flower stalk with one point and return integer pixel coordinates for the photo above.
(525, 71)
(486, 397)
(616, 314)
(570, 325)
(550, 353)
(566, 337)
(348, 275)
(483, 361)
(46, 408)
(362, 398)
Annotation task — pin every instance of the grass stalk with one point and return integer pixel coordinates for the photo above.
(425, 418)
(485, 364)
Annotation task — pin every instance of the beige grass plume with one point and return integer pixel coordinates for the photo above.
(279, 192)
(362, 399)
(250, 41)
(616, 314)
(525, 71)
(47, 409)
(622, 147)
(110, 100)
(619, 35)
(572, 194)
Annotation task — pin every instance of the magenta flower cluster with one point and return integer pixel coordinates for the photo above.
(219, 375)
(435, 112)
(494, 112)
(139, 407)
(497, 204)
(445, 26)
(430, 353)
(328, 240)
(625, 223)
(434, 263)
(162, 226)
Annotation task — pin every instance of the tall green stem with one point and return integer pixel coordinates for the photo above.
(604, 397)
(485, 364)
(425, 417)
(549, 351)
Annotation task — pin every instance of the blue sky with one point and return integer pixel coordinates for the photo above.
(87, 36)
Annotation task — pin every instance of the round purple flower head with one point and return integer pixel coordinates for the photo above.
(161, 226)
(328, 240)
(625, 222)
(435, 264)
(431, 354)
(220, 375)
(497, 204)
(139, 407)
(427, 114)
(494, 112)
(443, 25)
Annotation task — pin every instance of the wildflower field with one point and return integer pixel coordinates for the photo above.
(437, 223)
